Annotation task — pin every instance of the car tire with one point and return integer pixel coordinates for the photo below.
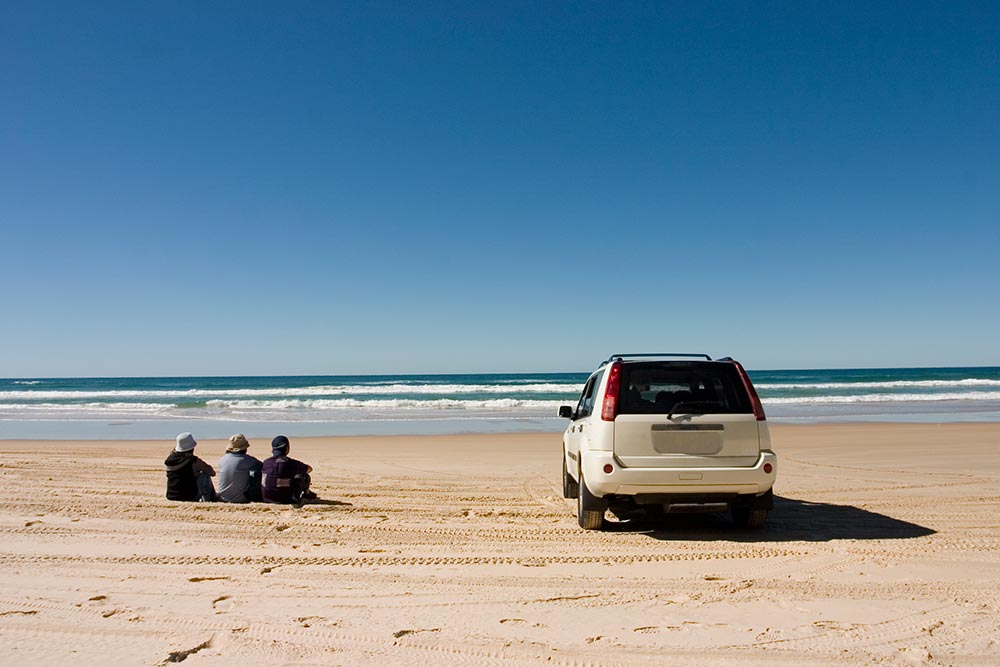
(569, 484)
(745, 517)
(589, 508)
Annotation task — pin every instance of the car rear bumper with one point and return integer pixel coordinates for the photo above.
(696, 481)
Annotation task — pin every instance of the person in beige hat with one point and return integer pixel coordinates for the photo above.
(239, 473)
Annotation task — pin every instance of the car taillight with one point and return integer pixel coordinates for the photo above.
(758, 409)
(610, 409)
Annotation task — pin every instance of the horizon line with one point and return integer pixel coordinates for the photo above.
(321, 375)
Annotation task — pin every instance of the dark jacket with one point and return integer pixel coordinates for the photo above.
(183, 469)
(181, 484)
(284, 480)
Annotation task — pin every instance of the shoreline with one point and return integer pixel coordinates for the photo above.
(127, 431)
(774, 427)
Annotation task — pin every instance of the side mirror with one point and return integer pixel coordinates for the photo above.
(566, 411)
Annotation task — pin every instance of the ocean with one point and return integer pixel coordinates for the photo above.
(215, 407)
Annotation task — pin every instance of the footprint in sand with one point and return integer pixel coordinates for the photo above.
(402, 633)
(181, 656)
(95, 601)
(309, 621)
(653, 629)
(223, 604)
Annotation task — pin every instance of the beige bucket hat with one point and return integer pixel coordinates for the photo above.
(238, 443)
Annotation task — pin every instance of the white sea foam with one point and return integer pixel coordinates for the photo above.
(300, 407)
(320, 390)
(885, 398)
(395, 389)
(498, 404)
(890, 384)
(26, 382)
(142, 408)
(352, 409)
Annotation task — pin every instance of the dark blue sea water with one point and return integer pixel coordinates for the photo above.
(330, 405)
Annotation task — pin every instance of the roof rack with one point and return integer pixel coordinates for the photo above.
(658, 354)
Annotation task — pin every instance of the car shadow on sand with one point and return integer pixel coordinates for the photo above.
(791, 520)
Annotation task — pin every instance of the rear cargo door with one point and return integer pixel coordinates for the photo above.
(686, 441)
(685, 415)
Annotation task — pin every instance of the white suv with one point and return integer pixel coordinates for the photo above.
(668, 431)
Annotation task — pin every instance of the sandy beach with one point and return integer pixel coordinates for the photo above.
(884, 547)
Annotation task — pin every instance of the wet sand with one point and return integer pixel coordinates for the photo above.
(884, 547)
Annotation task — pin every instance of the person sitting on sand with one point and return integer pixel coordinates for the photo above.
(239, 473)
(188, 477)
(286, 480)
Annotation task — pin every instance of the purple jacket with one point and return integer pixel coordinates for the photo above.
(279, 471)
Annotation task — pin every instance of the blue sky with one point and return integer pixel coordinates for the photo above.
(254, 188)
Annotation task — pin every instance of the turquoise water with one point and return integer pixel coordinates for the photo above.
(330, 405)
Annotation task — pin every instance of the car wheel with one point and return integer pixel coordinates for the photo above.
(570, 489)
(744, 517)
(589, 508)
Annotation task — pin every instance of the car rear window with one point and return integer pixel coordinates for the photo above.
(661, 387)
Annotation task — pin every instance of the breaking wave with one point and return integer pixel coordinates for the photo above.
(318, 391)
(387, 404)
(891, 384)
(139, 408)
(885, 398)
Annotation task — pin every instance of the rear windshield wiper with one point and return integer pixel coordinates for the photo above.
(692, 404)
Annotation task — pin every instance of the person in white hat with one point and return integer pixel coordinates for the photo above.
(188, 477)
(239, 473)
